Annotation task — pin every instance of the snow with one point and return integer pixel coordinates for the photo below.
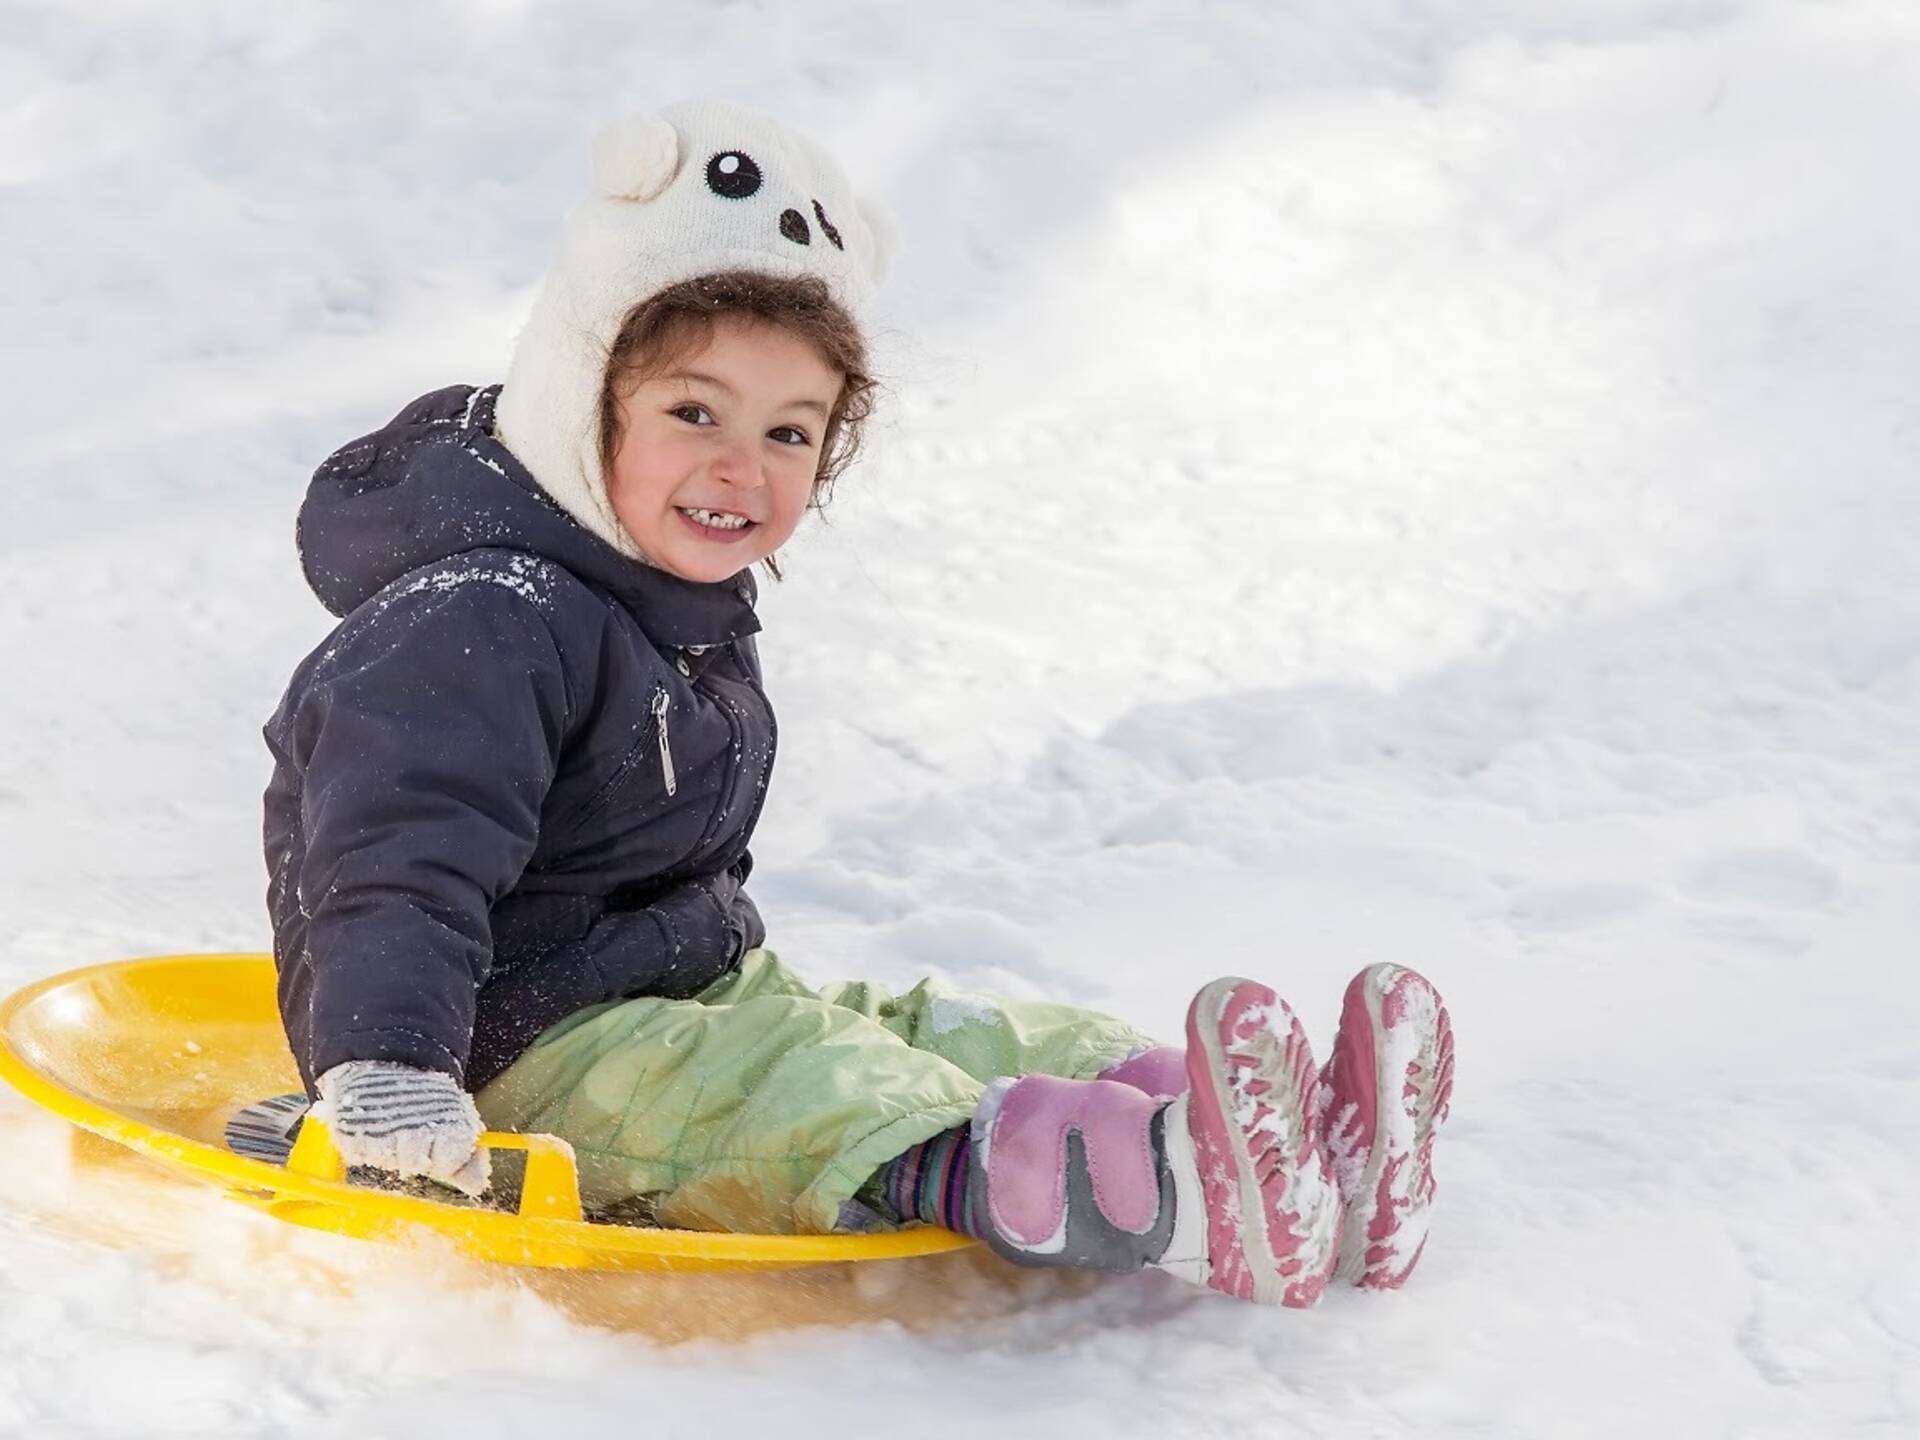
(1366, 481)
(950, 1012)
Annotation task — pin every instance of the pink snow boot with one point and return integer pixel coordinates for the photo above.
(1159, 1070)
(1225, 1185)
(1386, 1089)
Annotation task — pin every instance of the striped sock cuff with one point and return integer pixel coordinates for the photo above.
(929, 1182)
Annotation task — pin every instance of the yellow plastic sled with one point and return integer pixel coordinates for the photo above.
(157, 1054)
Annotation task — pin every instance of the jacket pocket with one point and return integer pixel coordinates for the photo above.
(652, 746)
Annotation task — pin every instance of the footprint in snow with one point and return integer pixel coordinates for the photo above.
(1781, 879)
(1574, 907)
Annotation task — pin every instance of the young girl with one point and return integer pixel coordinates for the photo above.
(513, 792)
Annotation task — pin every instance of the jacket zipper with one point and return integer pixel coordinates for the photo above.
(661, 700)
(731, 790)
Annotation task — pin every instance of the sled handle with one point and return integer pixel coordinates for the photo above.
(551, 1188)
(550, 1191)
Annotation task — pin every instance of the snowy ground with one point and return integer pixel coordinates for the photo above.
(1365, 479)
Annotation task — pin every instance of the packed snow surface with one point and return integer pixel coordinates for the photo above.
(1361, 480)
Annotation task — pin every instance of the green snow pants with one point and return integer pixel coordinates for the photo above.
(763, 1104)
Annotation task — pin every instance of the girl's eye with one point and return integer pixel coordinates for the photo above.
(789, 435)
(692, 414)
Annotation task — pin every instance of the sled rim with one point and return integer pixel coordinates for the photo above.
(317, 1202)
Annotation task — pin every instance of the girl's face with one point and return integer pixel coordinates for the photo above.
(719, 451)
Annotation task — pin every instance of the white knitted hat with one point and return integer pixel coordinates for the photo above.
(698, 188)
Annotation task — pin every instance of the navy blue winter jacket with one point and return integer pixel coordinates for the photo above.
(518, 778)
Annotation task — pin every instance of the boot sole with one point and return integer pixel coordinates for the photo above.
(1273, 1212)
(1409, 1067)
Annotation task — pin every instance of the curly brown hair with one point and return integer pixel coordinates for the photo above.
(668, 326)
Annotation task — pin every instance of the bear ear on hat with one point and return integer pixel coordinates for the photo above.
(880, 226)
(635, 157)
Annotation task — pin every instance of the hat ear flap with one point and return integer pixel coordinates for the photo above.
(635, 157)
(885, 237)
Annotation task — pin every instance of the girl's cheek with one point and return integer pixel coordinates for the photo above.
(796, 487)
(656, 459)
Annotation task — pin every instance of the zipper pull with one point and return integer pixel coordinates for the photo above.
(660, 702)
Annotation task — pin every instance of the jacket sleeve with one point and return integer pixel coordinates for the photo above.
(674, 946)
(430, 731)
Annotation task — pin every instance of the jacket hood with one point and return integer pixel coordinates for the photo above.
(434, 482)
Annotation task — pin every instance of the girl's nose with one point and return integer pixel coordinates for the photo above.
(739, 466)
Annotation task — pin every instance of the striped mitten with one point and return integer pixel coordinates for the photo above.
(404, 1119)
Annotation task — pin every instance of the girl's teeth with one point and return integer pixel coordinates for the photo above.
(719, 521)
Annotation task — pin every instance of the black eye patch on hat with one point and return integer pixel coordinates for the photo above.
(827, 225)
(732, 175)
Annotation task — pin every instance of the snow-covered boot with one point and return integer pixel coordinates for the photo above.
(1225, 1185)
(1386, 1089)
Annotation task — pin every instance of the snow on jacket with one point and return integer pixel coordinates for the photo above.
(518, 778)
